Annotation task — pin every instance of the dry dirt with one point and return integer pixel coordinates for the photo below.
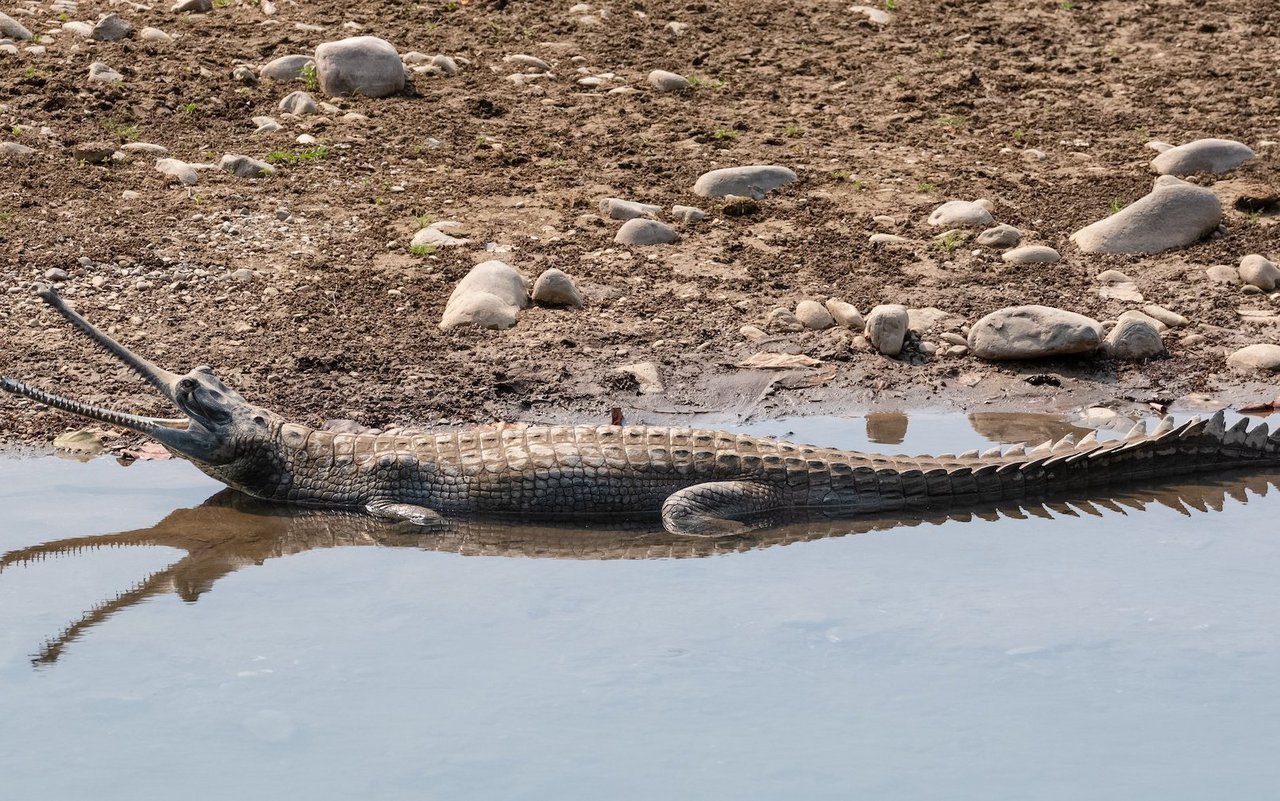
(340, 320)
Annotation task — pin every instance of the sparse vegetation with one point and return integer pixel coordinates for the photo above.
(698, 82)
(424, 219)
(126, 133)
(924, 187)
(1019, 136)
(949, 241)
(309, 78)
(297, 156)
(952, 121)
(189, 108)
(890, 5)
(1115, 205)
(422, 250)
(840, 175)
(724, 134)
(792, 130)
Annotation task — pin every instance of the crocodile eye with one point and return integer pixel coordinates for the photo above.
(187, 383)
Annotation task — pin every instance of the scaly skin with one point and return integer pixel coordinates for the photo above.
(702, 482)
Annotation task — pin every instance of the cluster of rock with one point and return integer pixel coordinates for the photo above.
(493, 293)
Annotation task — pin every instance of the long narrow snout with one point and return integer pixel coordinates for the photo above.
(162, 380)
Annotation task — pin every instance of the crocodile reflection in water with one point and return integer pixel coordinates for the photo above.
(231, 530)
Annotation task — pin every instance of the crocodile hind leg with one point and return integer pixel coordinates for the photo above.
(717, 508)
(405, 512)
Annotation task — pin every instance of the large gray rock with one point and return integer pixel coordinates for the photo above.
(1033, 332)
(1175, 214)
(665, 81)
(555, 288)
(640, 231)
(1133, 339)
(490, 296)
(1256, 357)
(11, 28)
(363, 65)
(960, 214)
(754, 181)
(1259, 271)
(887, 328)
(101, 73)
(1202, 155)
(286, 68)
(245, 167)
(110, 28)
(619, 209)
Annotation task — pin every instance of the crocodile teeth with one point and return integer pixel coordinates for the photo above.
(1067, 443)
(1138, 431)
(992, 453)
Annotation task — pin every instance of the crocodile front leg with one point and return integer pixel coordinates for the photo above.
(717, 508)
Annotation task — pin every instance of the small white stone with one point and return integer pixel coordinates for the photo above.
(641, 231)
(1032, 254)
(665, 81)
(845, 314)
(813, 315)
(960, 214)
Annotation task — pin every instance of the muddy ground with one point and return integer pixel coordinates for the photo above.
(340, 319)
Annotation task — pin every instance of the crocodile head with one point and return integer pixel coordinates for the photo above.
(217, 424)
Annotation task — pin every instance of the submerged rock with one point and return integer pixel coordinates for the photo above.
(1175, 214)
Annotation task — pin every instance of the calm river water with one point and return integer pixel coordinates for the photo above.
(174, 649)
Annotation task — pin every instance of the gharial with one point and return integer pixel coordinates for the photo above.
(702, 482)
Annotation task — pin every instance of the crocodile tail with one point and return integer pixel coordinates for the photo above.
(1170, 450)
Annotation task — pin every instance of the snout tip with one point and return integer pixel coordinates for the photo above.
(46, 293)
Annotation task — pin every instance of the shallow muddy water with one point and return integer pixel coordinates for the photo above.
(178, 642)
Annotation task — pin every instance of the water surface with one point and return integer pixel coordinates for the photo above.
(1116, 649)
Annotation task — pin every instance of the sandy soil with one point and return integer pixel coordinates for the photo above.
(340, 320)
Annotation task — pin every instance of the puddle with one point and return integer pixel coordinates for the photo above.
(188, 638)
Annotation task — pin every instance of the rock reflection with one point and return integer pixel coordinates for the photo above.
(1009, 428)
(230, 531)
(887, 428)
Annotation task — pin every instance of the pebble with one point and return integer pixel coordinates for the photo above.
(1113, 277)
(244, 75)
(619, 209)
(56, 274)
(177, 170)
(110, 28)
(93, 152)
(130, 194)
(641, 231)
(15, 150)
(960, 214)
(555, 288)
(156, 35)
(665, 81)
(687, 214)
(677, 28)
(753, 181)
(266, 125)
(887, 328)
(876, 15)
(436, 235)
(1133, 339)
(1259, 271)
(78, 28)
(1256, 357)
(888, 239)
(490, 296)
(1134, 314)
(1203, 156)
(1032, 254)
(527, 63)
(244, 166)
(443, 64)
(813, 315)
(194, 6)
(1163, 315)
(13, 29)
(286, 68)
(1175, 214)
(299, 103)
(364, 65)
(1033, 332)
(103, 74)
(1000, 237)
(1223, 274)
(242, 275)
(845, 314)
